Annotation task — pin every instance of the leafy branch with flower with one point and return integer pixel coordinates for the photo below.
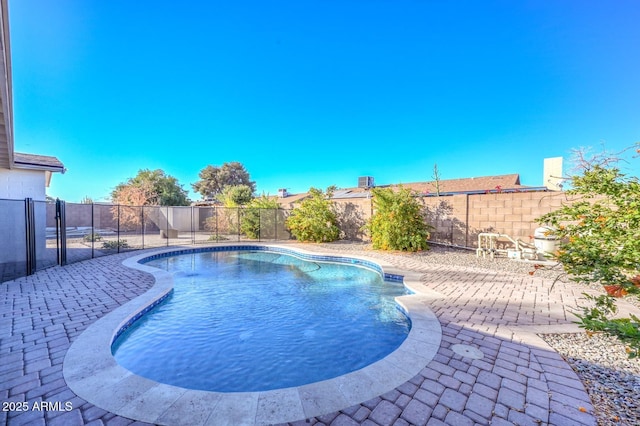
(600, 234)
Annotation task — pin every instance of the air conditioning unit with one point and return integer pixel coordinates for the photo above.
(365, 182)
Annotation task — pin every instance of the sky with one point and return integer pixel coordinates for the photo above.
(319, 92)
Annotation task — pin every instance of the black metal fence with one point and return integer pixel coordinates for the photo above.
(36, 235)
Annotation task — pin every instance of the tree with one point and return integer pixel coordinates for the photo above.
(600, 242)
(128, 202)
(150, 188)
(260, 217)
(135, 195)
(315, 219)
(398, 222)
(236, 195)
(214, 179)
(232, 197)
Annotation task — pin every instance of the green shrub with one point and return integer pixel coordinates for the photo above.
(111, 245)
(315, 219)
(600, 234)
(398, 222)
(259, 215)
(94, 236)
(217, 238)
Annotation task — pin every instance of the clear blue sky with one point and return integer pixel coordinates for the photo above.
(318, 92)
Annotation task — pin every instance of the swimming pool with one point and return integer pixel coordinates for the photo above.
(253, 320)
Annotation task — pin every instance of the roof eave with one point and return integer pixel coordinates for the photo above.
(29, 166)
(6, 100)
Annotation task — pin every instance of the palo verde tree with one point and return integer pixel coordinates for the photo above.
(214, 179)
(600, 234)
(315, 218)
(398, 222)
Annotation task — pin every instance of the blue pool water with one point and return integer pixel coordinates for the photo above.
(253, 321)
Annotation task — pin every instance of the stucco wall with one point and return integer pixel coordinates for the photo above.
(17, 184)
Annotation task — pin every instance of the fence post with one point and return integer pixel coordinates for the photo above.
(118, 231)
(61, 231)
(93, 231)
(142, 224)
(466, 223)
(30, 236)
(193, 228)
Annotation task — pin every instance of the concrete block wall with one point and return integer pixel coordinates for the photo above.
(448, 216)
(353, 214)
(459, 219)
(456, 219)
(80, 215)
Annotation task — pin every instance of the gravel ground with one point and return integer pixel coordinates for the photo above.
(609, 376)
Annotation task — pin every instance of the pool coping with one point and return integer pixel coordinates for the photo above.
(92, 373)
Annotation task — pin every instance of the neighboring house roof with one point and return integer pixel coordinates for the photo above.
(289, 201)
(350, 193)
(474, 184)
(448, 186)
(481, 184)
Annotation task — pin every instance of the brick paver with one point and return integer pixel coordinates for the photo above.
(515, 382)
(40, 315)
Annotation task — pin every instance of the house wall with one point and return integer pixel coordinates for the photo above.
(18, 184)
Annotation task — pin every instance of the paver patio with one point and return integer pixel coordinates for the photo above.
(517, 380)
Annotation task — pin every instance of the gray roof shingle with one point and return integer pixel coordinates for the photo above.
(38, 161)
